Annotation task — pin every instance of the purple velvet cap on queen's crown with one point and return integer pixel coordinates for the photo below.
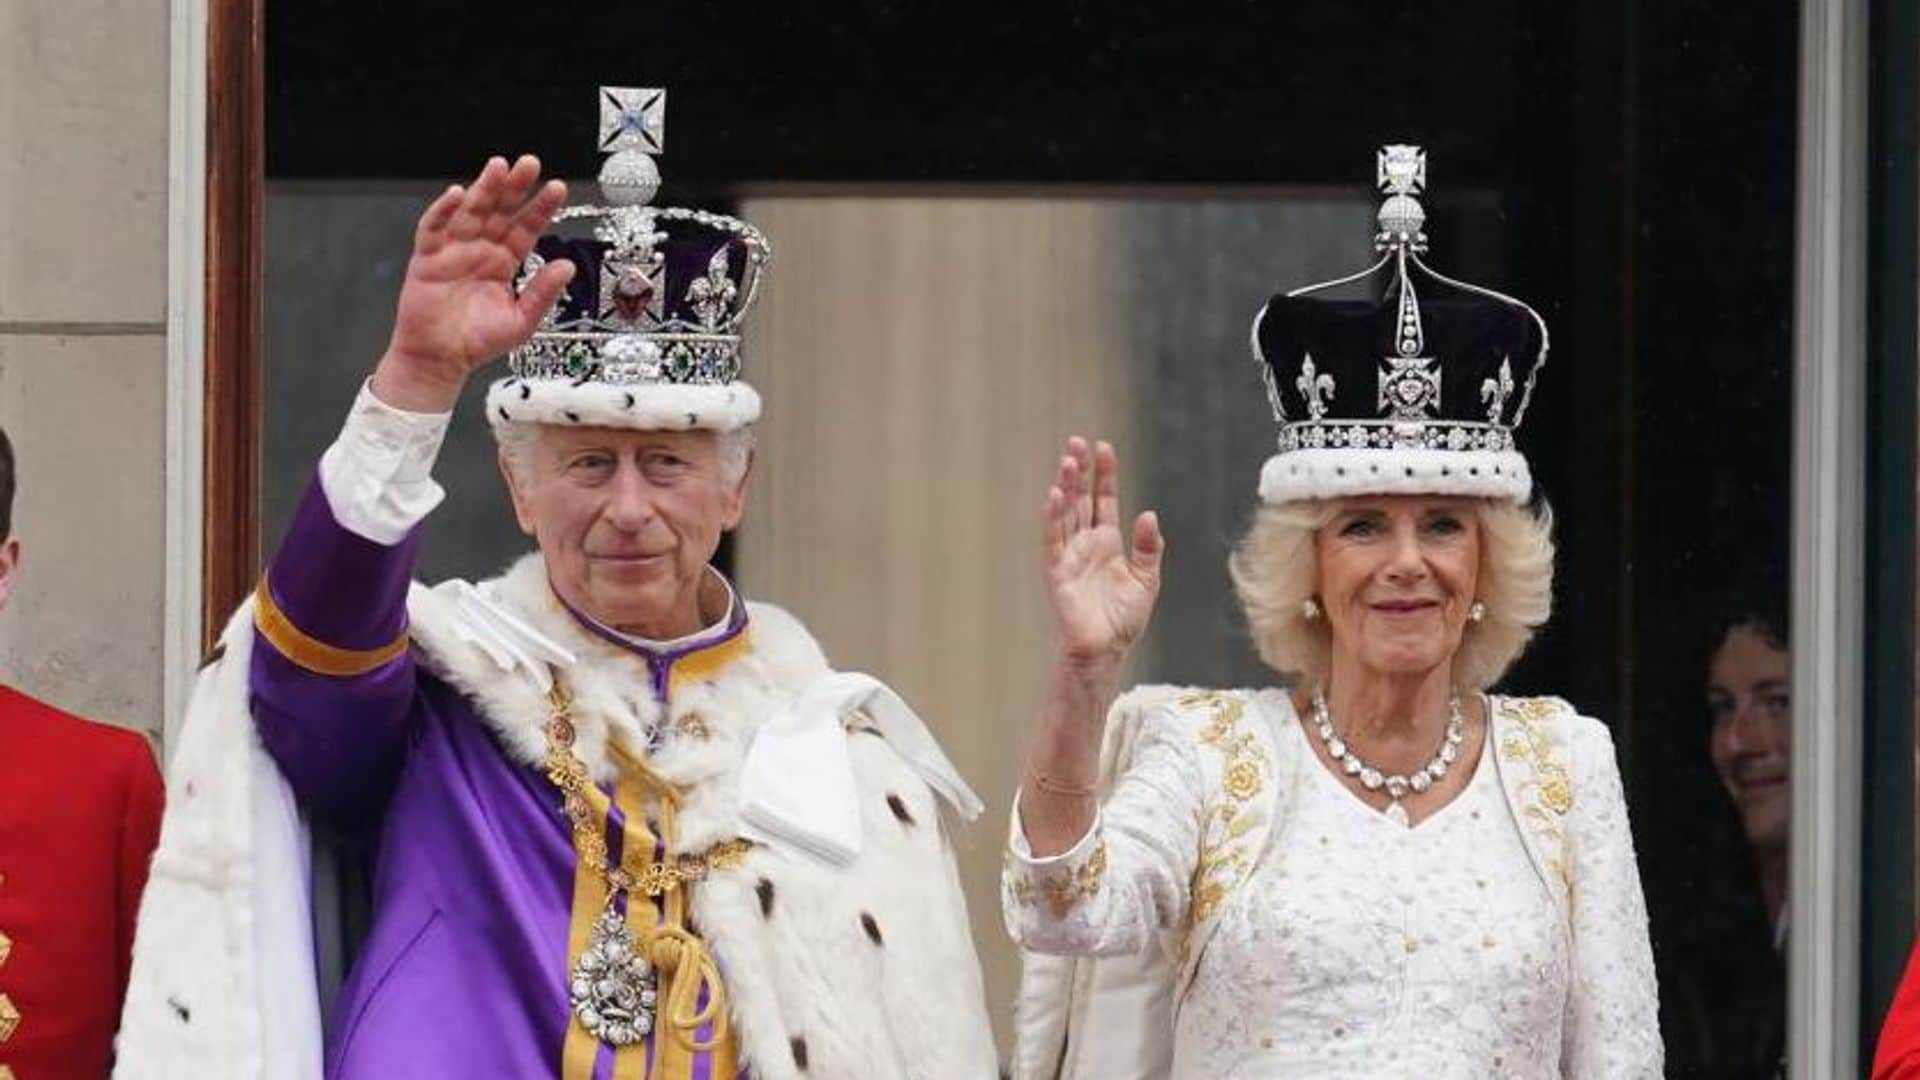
(647, 334)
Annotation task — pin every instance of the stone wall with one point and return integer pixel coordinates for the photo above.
(83, 298)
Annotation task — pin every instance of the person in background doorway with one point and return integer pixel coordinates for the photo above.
(1750, 697)
(1724, 985)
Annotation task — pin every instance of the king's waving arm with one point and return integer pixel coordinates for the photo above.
(331, 679)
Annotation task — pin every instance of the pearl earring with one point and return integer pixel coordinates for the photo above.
(1477, 612)
(1310, 609)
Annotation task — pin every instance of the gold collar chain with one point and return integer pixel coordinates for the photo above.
(615, 989)
(569, 774)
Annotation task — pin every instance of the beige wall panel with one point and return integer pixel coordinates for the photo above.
(86, 416)
(923, 361)
(83, 160)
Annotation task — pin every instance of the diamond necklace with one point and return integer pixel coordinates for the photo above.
(1397, 786)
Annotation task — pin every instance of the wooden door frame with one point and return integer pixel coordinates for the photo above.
(236, 197)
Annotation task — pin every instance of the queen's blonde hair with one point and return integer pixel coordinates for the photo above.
(1276, 569)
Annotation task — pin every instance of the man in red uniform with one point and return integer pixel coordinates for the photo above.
(1898, 1055)
(79, 817)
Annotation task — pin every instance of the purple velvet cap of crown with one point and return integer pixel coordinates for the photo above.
(1470, 336)
(688, 249)
(1361, 415)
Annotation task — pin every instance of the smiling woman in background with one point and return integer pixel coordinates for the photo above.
(1749, 694)
(1375, 873)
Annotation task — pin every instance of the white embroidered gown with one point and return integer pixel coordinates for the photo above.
(1359, 947)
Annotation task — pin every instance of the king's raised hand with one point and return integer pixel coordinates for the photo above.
(458, 309)
(1102, 580)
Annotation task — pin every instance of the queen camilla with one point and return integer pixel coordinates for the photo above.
(1386, 870)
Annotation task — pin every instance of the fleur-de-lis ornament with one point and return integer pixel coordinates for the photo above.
(713, 294)
(1316, 387)
(1495, 391)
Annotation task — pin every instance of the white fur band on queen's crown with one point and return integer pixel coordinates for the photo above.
(638, 406)
(1330, 473)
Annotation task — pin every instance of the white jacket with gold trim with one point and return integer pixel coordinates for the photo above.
(1114, 929)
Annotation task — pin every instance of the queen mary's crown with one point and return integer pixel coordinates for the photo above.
(1415, 388)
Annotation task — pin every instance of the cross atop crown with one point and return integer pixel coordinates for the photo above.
(633, 119)
(633, 127)
(1402, 170)
(1401, 174)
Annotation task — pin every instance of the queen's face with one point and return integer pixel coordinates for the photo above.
(1749, 694)
(1397, 576)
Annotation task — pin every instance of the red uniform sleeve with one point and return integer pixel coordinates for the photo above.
(1898, 1055)
(145, 795)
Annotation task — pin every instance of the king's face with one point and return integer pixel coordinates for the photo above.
(628, 520)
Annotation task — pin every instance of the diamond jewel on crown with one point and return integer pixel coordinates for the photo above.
(633, 278)
(1401, 174)
(1410, 387)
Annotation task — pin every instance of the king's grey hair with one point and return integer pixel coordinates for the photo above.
(516, 448)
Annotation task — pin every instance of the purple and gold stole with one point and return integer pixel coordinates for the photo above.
(692, 1038)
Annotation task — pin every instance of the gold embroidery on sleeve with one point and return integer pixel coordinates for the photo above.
(1224, 860)
(1060, 889)
(1547, 795)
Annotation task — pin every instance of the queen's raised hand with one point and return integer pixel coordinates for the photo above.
(1102, 579)
(1102, 582)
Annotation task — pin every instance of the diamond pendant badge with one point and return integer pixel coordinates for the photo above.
(612, 989)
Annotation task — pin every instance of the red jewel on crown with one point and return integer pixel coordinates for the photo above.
(632, 296)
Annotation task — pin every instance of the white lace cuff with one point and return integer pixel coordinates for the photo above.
(377, 475)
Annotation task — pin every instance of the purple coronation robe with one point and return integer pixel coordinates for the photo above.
(477, 895)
